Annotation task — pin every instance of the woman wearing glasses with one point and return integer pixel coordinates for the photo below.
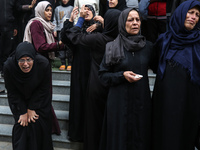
(27, 80)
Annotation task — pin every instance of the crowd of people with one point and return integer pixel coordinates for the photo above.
(109, 47)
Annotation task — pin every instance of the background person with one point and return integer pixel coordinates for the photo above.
(96, 91)
(39, 32)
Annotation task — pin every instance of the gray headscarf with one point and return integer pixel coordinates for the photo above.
(115, 49)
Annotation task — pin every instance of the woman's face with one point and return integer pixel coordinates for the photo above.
(25, 64)
(89, 14)
(192, 18)
(113, 3)
(48, 13)
(133, 23)
(65, 1)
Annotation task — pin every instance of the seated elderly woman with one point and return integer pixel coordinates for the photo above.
(176, 103)
(124, 69)
(27, 80)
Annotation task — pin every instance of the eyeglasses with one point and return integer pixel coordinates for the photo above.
(22, 61)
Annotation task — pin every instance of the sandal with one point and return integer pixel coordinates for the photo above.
(69, 68)
(62, 67)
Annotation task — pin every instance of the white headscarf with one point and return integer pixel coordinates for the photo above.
(48, 25)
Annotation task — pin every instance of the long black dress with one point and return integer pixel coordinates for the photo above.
(176, 110)
(30, 91)
(128, 122)
(79, 81)
(97, 92)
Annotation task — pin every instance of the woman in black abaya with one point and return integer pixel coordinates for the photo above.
(97, 92)
(176, 113)
(79, 76)
(127, 123)
(27, 80)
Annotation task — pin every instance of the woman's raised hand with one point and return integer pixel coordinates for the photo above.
(74, 14)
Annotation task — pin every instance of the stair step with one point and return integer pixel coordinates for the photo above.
(61, 87)
(60, 102)
(59, 141)
(61, 75)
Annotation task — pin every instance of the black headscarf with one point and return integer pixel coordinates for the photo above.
(111, 23)
(115, 49)
(121, 5)
(87, 24)
(23, 49)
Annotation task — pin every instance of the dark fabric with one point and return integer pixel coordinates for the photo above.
(96, 41)
(42, 47)
(97, 92)
(6, 46)
(7, 21)
(176, 113)
(181, 45)
(25, 49)
(30, 91)
(114, 50)
(154, 28)
(111, 23)
(120, 6)
(127, 123)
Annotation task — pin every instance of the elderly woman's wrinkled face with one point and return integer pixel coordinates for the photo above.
(48, 13)
(89, 14)
(133, 23)
(113, 3)
(25, 64)
(192, 18)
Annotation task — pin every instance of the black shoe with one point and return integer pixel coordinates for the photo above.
(2, 91)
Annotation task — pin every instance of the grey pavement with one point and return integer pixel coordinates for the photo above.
(8, 146)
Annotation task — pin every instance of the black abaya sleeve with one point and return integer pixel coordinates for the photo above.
(109, 77)
(16, 102)
(77, 37)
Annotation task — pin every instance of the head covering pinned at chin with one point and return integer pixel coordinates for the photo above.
(115, 49)
(181, 45)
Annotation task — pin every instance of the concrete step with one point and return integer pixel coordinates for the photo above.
(61, 75)
(6, 117)
(59, 141)
(59, 101)
(61, 87)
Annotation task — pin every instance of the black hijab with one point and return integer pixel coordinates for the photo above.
(111, 23)
(115, 49)
(121, 5)
(23, 49)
